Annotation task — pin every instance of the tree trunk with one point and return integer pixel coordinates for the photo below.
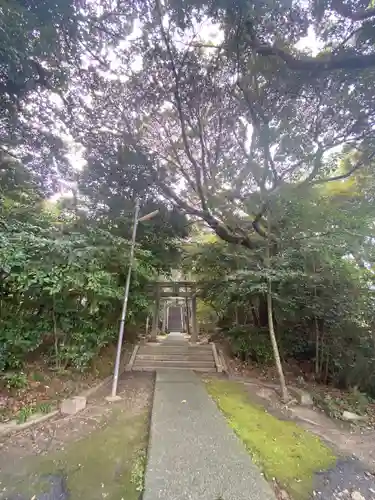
(271, 328)
(236, 316)
(317, 333)
(327, 366)
(56, 338)
(279, 368)
(262, 311)
(322, 353)
(254, 314)
(317, 346)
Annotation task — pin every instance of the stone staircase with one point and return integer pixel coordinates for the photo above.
(174, 353)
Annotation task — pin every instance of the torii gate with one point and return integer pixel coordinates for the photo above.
(170, 289)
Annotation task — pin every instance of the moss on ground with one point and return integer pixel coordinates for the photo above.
(282, 449)
(108, 463)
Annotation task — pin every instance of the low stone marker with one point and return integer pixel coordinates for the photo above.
(73, 405)
(303, 397)
(349, 416)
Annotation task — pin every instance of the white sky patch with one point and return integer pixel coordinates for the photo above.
(310, 42)
(61, 194)
(75, 157)
(249, 132)
(56, 100)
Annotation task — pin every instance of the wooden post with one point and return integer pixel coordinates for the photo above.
(187, 312)
(194, 335)
(155, 319)
(182, 319)
(164, 325)
(147, 324)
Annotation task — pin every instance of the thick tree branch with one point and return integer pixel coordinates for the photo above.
(184, 205)
(261, 128)
(204, 154)
(317, 164)
(347, 174)
(9, 153)
(258, 218)
(221, 229)
(316, 64)
(218, 141)
(177, 162)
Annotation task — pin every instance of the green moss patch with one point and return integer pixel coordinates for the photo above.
(108, 463)
(282, 449)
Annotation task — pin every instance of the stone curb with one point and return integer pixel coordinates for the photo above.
(38, 418)
(223, 361)
(218, 365)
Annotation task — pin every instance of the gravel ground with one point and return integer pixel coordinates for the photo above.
(58, 490)
(349, 480)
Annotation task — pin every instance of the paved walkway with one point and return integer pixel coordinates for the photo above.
(193, 453)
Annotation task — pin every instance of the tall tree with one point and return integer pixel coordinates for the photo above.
(224, 128)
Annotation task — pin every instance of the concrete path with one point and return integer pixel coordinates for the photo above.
(175, 338)
(193, 453)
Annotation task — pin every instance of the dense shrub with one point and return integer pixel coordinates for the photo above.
(250, 343)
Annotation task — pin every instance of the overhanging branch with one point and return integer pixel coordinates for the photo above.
(346, 11)
(319, 64)
(347, 174)
(221, 229)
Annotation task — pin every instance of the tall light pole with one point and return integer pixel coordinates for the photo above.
(113, 396)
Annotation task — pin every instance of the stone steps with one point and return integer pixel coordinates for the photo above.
(173, 347)
(156, 365)
(180, 352)
(173, 362)
(181, 356)
(175, 357)
(170, 352)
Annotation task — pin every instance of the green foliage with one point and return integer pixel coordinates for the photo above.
(355, 401)
(44, 407)
(63, 276)
(322, 285)
(65, 293)
(25, 413)
(138, 471)
(250, 344)
(28, 410)
(15, 380)
(37, 377)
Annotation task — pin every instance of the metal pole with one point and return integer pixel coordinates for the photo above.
(125, 304)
